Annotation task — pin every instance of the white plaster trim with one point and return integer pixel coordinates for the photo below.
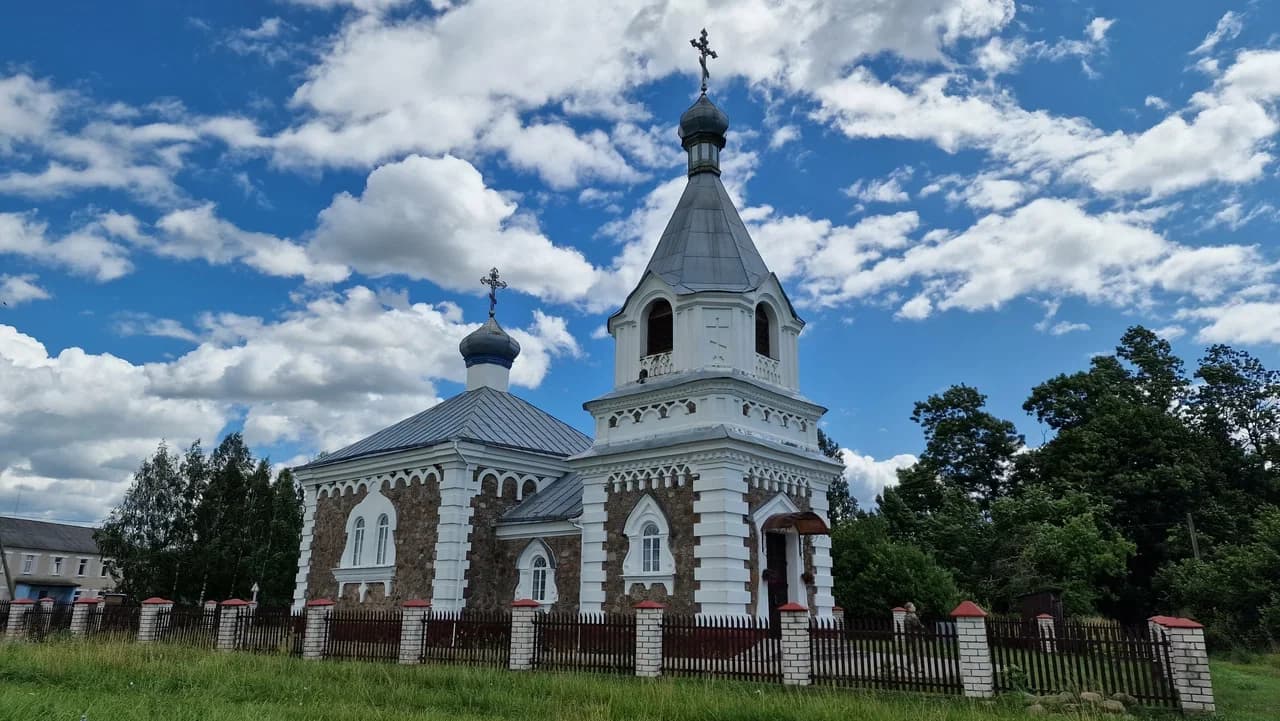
(796, 591)
(537, 529)
(365, 575)
(373, 507)
(647, 511)
(524, 564)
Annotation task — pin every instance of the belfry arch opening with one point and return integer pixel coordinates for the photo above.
(766, 345)
(659, 328)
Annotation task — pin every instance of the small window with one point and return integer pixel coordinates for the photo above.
(28, 564)
(651, 545)
(106, 568)
(384, 533)
(357, 542)
(763, 331)
(75, 595)
(661, 335)
(57, 566)
(83, 567)
(539, 590)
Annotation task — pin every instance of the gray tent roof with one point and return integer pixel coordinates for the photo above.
(706, 246)
(558, 501)
(483, 415)
(46, 536)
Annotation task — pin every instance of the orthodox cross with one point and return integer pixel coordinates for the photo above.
(494, 284)
(704, 50)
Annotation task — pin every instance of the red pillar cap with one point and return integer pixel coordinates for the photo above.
(526, 603)
(899, 609)
(320, 602)
(650, 604)
(417, 603)
(1176, 622)
(46, 598)
(23, 602)
(968, 609)
(88, 600)
(1045, 615)
(235, 602)
(792, 607)
(155, 601)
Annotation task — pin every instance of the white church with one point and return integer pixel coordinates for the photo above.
(703, 487)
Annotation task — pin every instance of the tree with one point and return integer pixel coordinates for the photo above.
(841, 505)
(1239, 401)
(143, 536)
(967, 448)
(873, 574)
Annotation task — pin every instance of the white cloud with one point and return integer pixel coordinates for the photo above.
(18, 289)
(918, 308)
(1229, 26)
(1063, 327)
(1253, 323)
(87, 251)
(882, 190)
(1155, 102)
(783, 135)
(1170, 332)
(869, 477)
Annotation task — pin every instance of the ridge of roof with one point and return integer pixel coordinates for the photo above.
(47, 535)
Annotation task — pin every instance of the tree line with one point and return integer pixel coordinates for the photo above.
(196, 527)
(1155, 492)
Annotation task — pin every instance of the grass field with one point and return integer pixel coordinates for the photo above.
(124, 682)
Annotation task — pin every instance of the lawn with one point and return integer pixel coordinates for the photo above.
(124, 681)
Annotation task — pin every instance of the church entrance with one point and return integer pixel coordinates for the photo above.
(775, 573)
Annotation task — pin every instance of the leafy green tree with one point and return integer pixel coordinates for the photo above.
(873, 574)
(143, 536)
(967, 448)
(841, 505)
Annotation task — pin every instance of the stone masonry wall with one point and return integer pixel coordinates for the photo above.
(329, 541)
(757, 497)
(494, 585)
(486, 567)
(677, 506)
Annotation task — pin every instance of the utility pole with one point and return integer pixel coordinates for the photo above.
(1195, 541)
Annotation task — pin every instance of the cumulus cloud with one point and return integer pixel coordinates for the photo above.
(87, 251)
(18, 289)
(882, 190)
(1251, 322)
(1228, 28)
(869, 477)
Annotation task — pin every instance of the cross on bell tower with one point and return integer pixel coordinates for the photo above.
(704, 51)
(494, 284)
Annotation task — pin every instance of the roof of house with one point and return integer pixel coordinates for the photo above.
(559, 501)
(705, 246)
(483, 415)
(46, 536)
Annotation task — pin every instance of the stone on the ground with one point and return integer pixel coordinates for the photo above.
(1124, 698)
(1091, 697)
(1036, 709)
(1111, 706)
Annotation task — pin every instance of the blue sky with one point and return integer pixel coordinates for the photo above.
(273, 216)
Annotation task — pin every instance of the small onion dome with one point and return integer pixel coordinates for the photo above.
(489, 344)
(703, 122)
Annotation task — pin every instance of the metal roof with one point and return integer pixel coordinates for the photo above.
(483, 415)
(558, 501)
(46, 536)
(706, 246)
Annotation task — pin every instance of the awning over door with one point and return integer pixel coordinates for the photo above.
(805, 523)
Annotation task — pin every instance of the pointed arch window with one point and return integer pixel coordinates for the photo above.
(537, 573)
(539, 592)
(384, 534)
(651, 549)
(660, 330)
(649, 559)
(357, 542)
(764, 331)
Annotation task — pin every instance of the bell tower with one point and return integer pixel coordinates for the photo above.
(706, 428)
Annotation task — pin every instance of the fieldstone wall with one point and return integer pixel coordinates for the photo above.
(493, 586)
(329, 540)
(677, 506)
(757, 497)
(489, 571)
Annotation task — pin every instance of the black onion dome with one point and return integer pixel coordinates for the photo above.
(703, 122)
(489, 344)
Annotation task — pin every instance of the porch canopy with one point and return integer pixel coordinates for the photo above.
(805, 523)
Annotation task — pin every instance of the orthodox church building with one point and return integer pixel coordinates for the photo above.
(703, 487)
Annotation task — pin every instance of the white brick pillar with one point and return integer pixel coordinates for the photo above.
(797, 657)
(316, 641)
(453, 537)
(523, 636)
(309, 502)
(16, 628)
(1048, 633)
(149, 618)
(1190, 663)
(976, 671)
(413, 626)
(722, 552)
(899, 619)
(592, 578)
(649, 638)
(80, 611)
(233, 622)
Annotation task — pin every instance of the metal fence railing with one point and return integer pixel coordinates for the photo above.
(44, 621)
(872, 654)
(474, 638)
(585, 642)
(1101, 657)
(189, 626)
(113, 621)
(4, 613)
(270, 630)
(738, 647)
(364, 635)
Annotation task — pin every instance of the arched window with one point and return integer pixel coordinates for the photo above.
(539, 591)
(357, 542)
(384, 533)
(659, 326)
(764, 332)
(651, 549)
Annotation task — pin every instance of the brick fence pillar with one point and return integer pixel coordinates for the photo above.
(649, 638)
(1189, 661)
(413, 628)
(899, 619)
(149, 618)
(797, 657)
(976, 670)
(233, 623)
(315, 644)
(16, 628)
(523, 636)
(46, 614)
(80, 611)
(1048, 633)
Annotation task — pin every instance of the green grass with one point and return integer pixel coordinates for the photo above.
(123, 681)
(1248, 691)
